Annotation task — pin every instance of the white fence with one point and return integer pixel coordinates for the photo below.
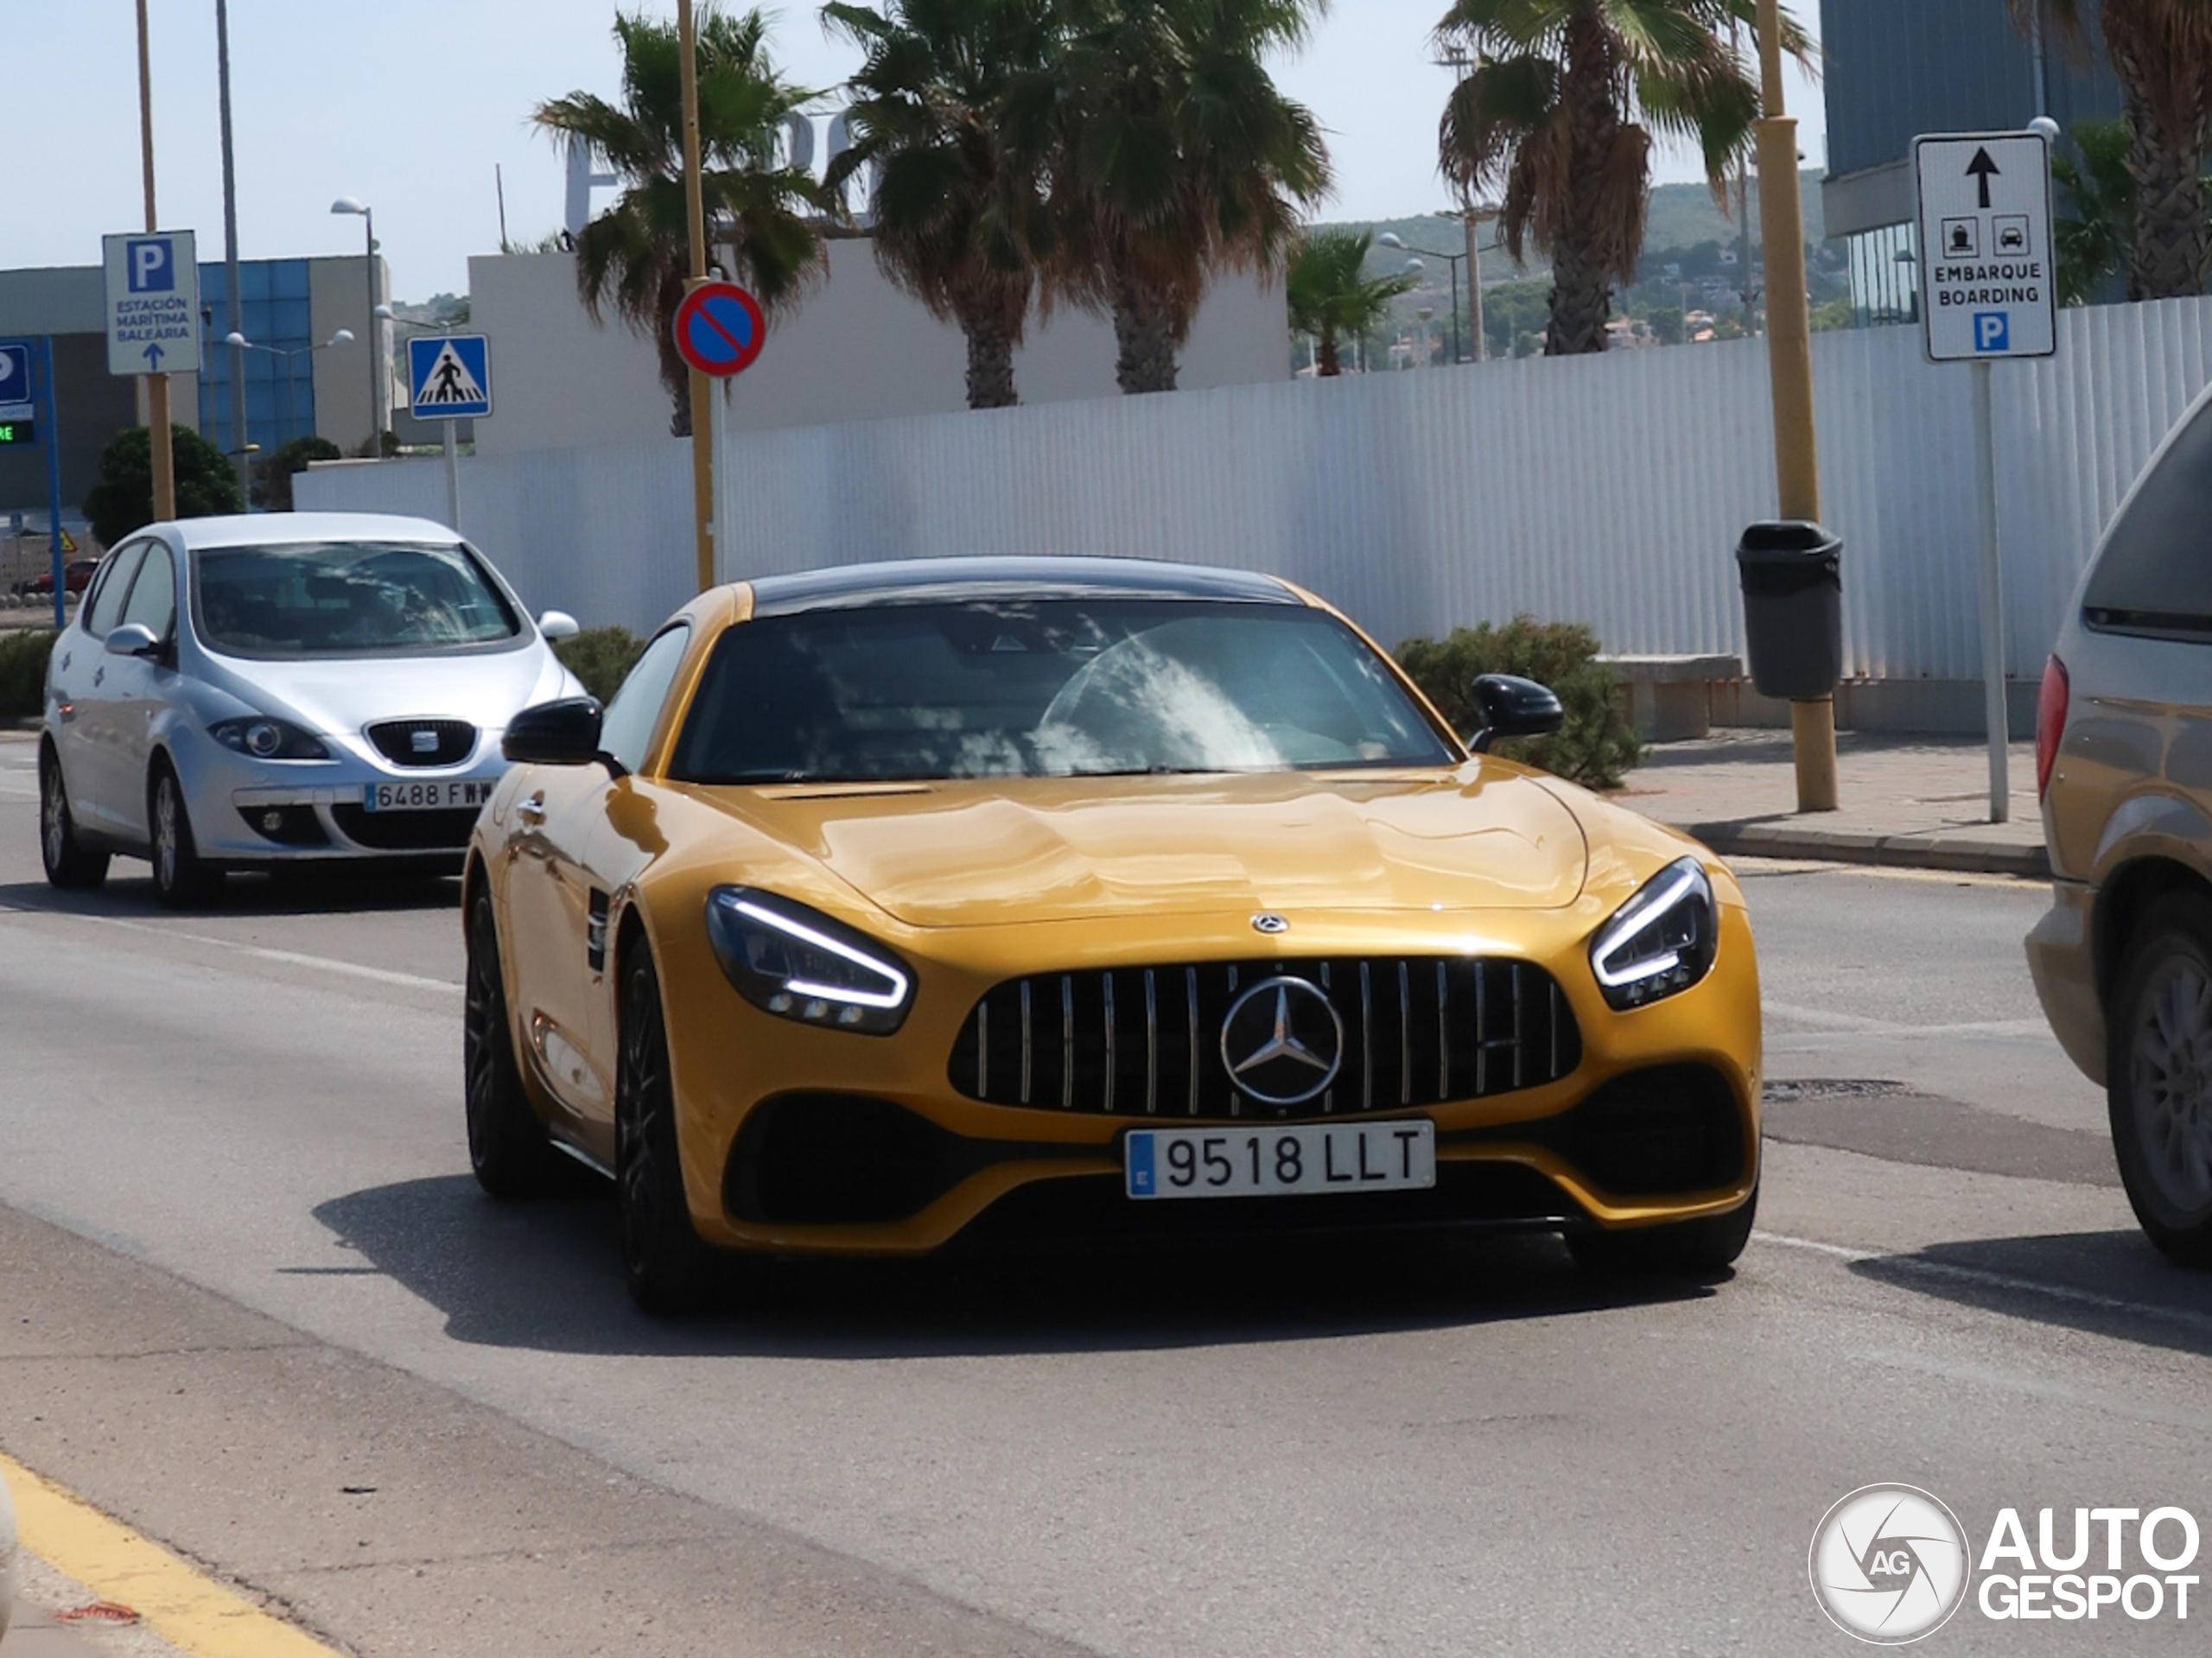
(1609, 490)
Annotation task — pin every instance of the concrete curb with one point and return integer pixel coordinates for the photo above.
(1966, 854)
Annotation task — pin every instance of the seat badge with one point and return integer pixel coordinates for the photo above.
(423, 742)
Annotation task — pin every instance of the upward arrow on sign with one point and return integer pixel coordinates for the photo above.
(1982, 169)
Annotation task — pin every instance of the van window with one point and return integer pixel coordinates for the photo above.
(2156, 573)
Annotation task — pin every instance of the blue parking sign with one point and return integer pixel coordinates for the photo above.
(150, 264)
(16, 381)
(1992, 330)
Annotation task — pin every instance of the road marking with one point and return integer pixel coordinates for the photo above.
(1776, 868)
(185, 1607)
(1860, 1024)
(258, 952)
(1946, 1270)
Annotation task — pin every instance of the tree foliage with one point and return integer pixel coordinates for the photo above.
(1331, 298)
(273, 473)
(1557, 116)
(763, 215)
(122, 500)
(1595, 748)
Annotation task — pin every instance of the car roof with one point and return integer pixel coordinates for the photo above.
(290, 528)
(923, 581)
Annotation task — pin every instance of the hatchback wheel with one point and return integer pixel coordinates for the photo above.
(667, 1268)
(69, 861)
(508, 1147)
(2158, 1077)
(181, 879)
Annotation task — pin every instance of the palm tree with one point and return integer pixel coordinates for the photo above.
(2162, 52)
(1177, 158)
(635, 257)
(1330, 296)
(952, 108)
(1559, 110)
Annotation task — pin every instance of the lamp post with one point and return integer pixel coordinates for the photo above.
(239, 343)
(1413, 267)
(380, 404)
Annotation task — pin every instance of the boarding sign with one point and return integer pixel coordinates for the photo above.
(1988, 285)
(153, 302)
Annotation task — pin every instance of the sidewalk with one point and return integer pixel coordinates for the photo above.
(1919, 802)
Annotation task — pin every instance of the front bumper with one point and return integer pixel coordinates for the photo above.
(808, 1140)
(2063, 961)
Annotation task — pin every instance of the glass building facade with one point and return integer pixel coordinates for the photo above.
(1885, 274)
(279, 383)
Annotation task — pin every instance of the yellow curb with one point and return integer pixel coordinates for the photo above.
(183, 1605)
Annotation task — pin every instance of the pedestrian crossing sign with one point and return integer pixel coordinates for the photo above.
(449, 376)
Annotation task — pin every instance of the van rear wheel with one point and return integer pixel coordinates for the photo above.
(2158, 1077)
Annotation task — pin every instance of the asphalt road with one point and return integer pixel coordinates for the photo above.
(251, 1300)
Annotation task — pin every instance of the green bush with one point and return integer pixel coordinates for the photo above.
(1596, 745)
(22, 671)
(601, 657)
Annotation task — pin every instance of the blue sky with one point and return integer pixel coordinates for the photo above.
(409, 105)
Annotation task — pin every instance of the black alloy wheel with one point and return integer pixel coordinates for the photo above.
(1699, 1249)
(508, 1147)
(2158, 1077)
(69, 862)
(666, 1267)
(181, 879)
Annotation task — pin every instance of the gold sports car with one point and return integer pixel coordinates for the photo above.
(900, 904)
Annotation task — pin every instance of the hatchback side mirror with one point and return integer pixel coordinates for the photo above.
(557, 624)
(1510, 706)
(133, 640)
(565, 732)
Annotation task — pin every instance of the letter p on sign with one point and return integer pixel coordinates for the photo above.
(1992, 330)
(150, 268)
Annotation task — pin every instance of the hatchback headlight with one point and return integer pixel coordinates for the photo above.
(1660, 942)
(267, 739)
(795, 963)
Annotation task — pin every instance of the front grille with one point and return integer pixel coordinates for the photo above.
(1418, 1031)
(456, 739)
(444, 830)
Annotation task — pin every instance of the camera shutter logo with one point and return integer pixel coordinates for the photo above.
(1889, 1563)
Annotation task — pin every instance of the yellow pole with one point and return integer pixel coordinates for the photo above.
(1789, 362)
(157, 385)
(702, 446)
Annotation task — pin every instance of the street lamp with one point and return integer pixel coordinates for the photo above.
(1413, 268)
(380, 404)
(238, 342)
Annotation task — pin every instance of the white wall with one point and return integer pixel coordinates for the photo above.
(1609, 490)
(857, 348)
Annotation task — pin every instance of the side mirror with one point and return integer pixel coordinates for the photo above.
(133, 640)
(565, 732)
(1510, 706)
(557, 624)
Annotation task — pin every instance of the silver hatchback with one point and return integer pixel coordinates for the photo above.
(253, 693)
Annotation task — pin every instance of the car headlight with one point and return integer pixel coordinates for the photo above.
(796, 963)
(1660, 942)
(268, 739)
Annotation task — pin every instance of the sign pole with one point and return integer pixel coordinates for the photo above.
(158, 385)
(53, 483)
(453, 478)
(702, 452)
(1789, 367)
(1992, 591)
(723, 549)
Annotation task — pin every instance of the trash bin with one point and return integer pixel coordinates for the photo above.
(1793, 608)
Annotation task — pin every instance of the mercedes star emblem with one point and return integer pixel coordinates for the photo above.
(1282, 1042)
(1267, 922)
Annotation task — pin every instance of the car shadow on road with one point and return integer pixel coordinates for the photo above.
(130, 897)
(2112, 1284)
(547, 1277)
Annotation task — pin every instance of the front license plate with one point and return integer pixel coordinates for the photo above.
(1270, 1162)
(425, 796)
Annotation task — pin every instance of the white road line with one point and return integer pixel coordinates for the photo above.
(1924, 1267)
(283, 957)
(1860, 1024)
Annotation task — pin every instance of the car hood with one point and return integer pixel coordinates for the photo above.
(335, 697)
(1487, 837)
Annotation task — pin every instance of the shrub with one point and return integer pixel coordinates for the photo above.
(1596, 745)
(601, 657)
(22, 671)
(122, 500)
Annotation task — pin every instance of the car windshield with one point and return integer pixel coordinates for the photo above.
(1085, 687)
(346, 598)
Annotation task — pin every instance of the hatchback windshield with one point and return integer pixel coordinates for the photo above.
(346, 598)
(1052, 687)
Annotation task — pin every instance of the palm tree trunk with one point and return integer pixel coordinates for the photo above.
(1327, 366)
(2171, 244)
(1581, 295)
(1146, 334)
(990, 363)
